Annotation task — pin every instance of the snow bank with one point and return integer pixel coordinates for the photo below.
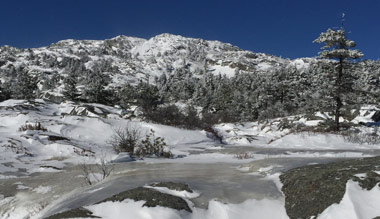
(318, 142)
(182, 194)
(357, 203)
(254, 209)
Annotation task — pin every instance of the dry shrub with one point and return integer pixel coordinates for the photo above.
(35, 126)
(125, 139)
(361, 138)
(90, 175)
(243, 155)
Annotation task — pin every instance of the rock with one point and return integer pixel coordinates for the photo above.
(51, 97)
(152, 197)
(74, 213)
(88, 110)
(51, 167)
(57, 138)
(173, 186)
(376, 116)
(311, 189)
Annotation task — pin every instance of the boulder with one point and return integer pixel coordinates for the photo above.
(151, 197)
(309, 190)
(376, 116)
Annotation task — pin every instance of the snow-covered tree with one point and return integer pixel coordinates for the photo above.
(2, 95)
(147, 97)
(96, 83)
(338, 47)
(70, 90)
(25, 86)
(5, 91)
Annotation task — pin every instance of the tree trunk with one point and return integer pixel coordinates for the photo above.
(338, 101)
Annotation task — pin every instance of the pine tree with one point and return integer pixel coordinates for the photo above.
(2, 96)
(147, 97)
(25, 86)
(95, 89)
(5, 90)
(70, 90)
(127, 96)
(337, 47)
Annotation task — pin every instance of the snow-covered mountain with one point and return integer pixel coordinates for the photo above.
(128, 59)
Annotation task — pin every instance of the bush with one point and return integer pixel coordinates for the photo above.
(286, 124)
(171, 115)
(167, 115)
(152, 145)
(101, 172)
(129, 139)
(243, 156)
(36, 126)
(358, 137)
(125, 139)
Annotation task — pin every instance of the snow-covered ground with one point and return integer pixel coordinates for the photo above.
(356, 203)
(80, 134)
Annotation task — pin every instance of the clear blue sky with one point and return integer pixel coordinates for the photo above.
(278, 27)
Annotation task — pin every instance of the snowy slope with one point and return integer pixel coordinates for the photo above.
(128, 59)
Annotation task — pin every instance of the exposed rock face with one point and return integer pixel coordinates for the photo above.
(151, 197)
(311, 189)
(74, 213)
(173, 186)
(376, 116)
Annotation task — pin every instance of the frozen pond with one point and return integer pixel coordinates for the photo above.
(226, 182)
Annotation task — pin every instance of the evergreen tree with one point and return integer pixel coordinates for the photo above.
(337, 47)
(5, 90)
(127, 96)
(70, 90)
(95, 88)
(2, 95)
(25, 86)
(147, 97)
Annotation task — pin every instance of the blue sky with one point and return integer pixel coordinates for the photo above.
(278, 27)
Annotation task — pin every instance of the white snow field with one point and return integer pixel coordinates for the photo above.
(40, 176)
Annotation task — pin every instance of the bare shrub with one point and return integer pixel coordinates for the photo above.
(242, 156)
(153, 145)
(125, 139)
(35, 126)
(361, 138)
(101, 171)
(104, 168)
